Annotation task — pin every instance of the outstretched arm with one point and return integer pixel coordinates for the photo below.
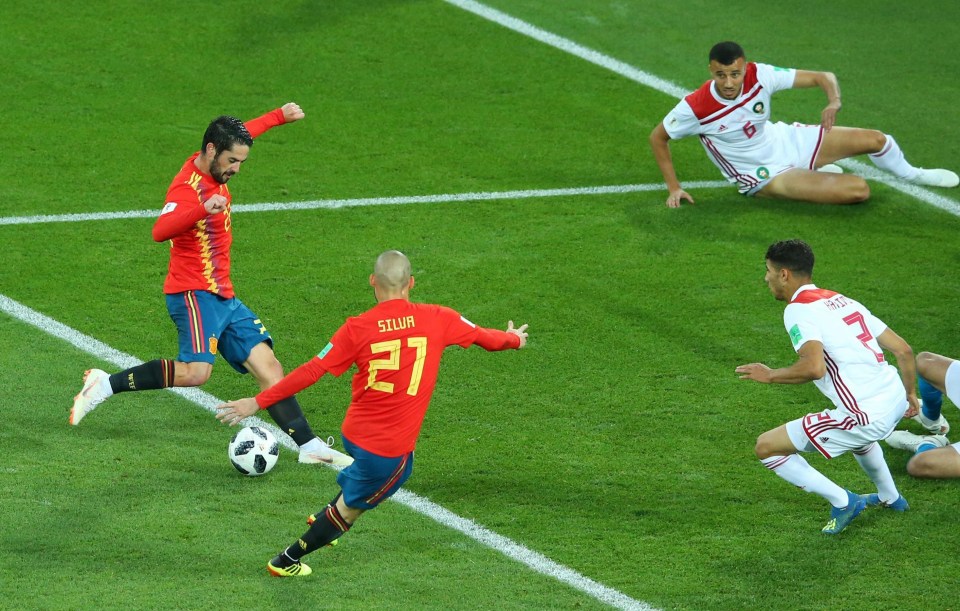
(303, 376)
(809, 366)
(660, 144)
(826, 81)
(494, 339)
(892, 342)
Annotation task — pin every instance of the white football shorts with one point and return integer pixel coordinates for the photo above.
(833, 432)
(794, 146)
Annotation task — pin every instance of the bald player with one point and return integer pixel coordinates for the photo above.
(396, 347)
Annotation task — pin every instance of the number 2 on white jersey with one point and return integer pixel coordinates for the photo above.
(392, 363)
(857, 319)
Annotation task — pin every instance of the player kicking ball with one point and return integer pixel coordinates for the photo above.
(396, 347)
(210, 318)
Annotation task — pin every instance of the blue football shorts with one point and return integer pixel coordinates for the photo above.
(372, 479)
(208, 324)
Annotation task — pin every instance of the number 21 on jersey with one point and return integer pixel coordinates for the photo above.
(392, 363)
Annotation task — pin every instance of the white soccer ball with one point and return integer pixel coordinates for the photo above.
(253, 450)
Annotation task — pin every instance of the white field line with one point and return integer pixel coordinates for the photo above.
(365, 201)
(655, 82)
(532, 559)
(536, 561)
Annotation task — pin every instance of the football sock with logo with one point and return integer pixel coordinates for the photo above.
(798, 472)
(932, 398)
(328, 526)
(891, 159)
(289, 417)
(871, 461)
(147, 376)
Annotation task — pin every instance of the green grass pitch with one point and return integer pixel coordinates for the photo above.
(619, 444)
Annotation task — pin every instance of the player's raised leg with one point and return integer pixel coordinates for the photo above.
(289, 416)
(936, 375)
(98, 385)
(884, 152)
(96, 389)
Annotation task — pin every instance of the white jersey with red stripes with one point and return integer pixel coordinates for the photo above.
(737, 134)
(859, 380)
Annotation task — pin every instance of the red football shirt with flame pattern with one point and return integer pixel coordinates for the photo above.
(200, 242)
(396, 347)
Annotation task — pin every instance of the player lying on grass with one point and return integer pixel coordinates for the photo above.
(934, 456)
(731, 115)
(396, 347)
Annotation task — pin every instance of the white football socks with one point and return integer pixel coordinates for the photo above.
(871, 461)
(796, 470)
(891, 159)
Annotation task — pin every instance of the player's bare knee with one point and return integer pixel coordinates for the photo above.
(925, 361)
(878, 140)
(763, 449)
(192, 375)
(921, 466)
(198, 378)
(273, 372)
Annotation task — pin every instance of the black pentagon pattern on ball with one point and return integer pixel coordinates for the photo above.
(239, 468)
(259, 463)
(243, 447)
(249, 456)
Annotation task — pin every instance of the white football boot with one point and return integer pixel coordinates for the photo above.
(940, 426)
(321, 452)
(936, 178)
(96, 389)
(905, 440)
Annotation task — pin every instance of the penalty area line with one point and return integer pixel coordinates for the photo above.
(333, 204)
(658, 84)
(422, 505)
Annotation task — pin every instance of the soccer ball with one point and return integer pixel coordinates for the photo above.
(253, 450)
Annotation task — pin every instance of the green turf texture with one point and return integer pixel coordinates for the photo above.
(618, 444)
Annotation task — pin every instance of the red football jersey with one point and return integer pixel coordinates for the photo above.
(200, 242)
(396, 347)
